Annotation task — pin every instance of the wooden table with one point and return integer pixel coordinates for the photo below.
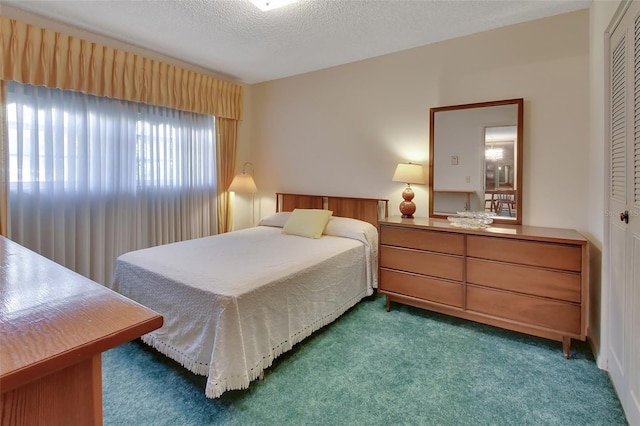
(503, 194)
(54, 325)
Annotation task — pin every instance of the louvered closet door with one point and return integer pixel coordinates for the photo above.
(623, 333)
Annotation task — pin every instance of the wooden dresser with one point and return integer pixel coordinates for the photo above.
(528, 279)
(54, 325)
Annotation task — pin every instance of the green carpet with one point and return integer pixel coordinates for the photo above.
(373, 367)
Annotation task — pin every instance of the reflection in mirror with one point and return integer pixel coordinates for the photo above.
(475, 160)
(499, 159)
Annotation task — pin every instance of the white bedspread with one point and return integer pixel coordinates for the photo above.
(233, 302)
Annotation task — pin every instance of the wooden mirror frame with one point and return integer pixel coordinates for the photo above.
(519, 102)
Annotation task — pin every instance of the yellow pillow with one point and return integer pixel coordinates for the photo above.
(307, 222)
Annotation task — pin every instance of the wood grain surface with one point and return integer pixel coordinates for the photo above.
(54, 323)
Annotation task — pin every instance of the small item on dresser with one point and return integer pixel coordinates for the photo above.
(471, 220)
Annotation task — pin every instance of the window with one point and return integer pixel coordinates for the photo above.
(92, 178)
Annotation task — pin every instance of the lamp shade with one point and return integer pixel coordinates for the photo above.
(243, 183)
(409, 173)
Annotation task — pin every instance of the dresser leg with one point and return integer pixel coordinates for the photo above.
(566, 346)
(387, 304)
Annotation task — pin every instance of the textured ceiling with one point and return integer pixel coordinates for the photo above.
(235, 39)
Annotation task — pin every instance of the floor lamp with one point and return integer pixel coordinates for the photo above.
(244, 182)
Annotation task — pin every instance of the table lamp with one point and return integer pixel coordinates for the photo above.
(408, 173)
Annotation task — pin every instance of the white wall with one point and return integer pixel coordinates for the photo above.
(341, 131)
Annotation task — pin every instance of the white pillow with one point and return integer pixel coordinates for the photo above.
(277, 220)
(308, 223)
(348, 227)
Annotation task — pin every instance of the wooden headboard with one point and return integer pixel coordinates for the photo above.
(366, 209)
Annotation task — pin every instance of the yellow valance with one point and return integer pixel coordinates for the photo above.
(43, 57)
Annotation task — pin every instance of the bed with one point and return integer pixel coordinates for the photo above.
(234, 302)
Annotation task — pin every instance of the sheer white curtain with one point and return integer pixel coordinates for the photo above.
(92, 178)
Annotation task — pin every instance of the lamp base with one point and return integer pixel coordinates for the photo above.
(407, 207)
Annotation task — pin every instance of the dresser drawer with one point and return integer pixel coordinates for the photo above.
(556, 315)
(524, 279)
(548, 255)
(439, 291)
(420, 262)
(441, 242)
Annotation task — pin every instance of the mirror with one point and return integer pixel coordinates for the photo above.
(475, 160)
